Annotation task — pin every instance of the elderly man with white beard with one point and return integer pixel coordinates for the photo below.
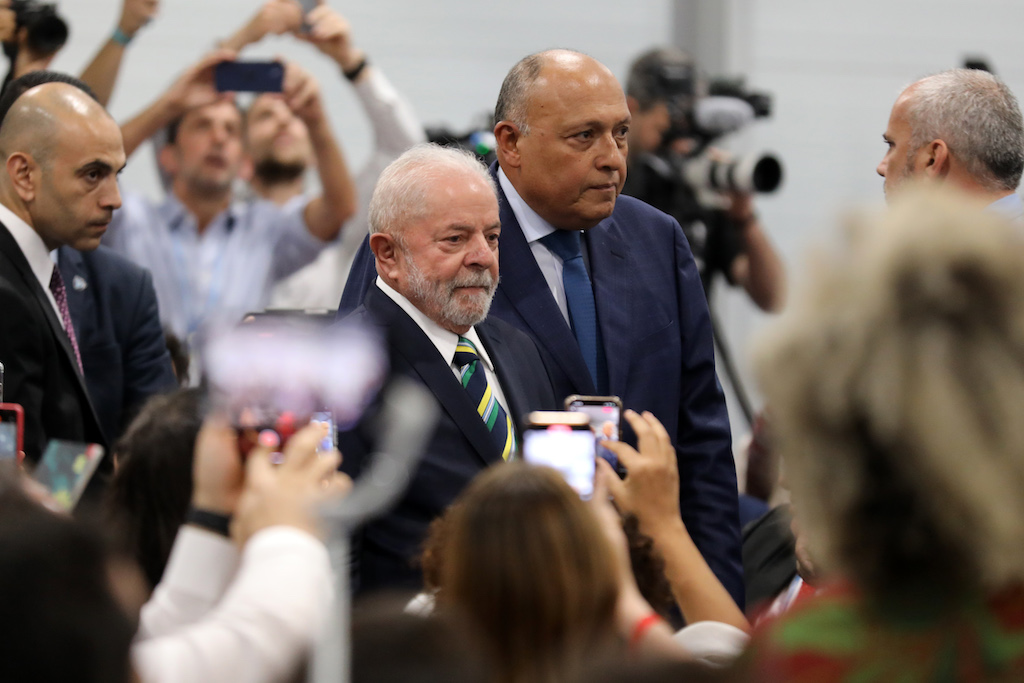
(434, 232)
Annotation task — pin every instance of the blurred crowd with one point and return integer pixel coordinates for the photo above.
(155, 529)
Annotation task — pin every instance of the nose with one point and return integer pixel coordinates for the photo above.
(611, 153)
(882, 166)
(481, 254)
(111, 198)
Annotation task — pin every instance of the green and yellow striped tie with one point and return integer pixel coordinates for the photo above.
(474, 380)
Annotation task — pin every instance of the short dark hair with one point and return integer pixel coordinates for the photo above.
(645, 83)
(19, 86)
(63, 620)
(515, 91)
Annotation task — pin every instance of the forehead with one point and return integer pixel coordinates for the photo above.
(898, 116)
(226, 112)
(266, 103)
(564, 94)
(94, 139)
(459, 198)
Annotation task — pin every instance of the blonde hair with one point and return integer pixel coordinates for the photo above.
(896, 387)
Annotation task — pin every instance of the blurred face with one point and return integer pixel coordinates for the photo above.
(572, 164)
(274, 133)
(449, 265)
(77, 187)
(898, 163)
(207, 155)
(648, 128)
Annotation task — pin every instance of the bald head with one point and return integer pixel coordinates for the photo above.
(43, 116)
(529, 73)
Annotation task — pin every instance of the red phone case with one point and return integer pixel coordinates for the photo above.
(9, 411)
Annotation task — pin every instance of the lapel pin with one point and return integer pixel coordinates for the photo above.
(78, 283)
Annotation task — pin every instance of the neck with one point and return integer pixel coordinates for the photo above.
(203, 207)
(279, 192)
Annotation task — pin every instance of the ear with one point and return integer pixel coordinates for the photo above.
(20, 168)
(633, 104)
(168, 159)
(386, 251)
(508, 135)
(937, 159)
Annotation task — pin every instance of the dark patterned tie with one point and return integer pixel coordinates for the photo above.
(474, 380)
(579, 295)
(60, 295)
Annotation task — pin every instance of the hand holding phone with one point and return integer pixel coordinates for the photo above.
(605, 413)
(562, 441)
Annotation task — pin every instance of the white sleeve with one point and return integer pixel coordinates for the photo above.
(198, 572)
(270, 617)
(395, 126)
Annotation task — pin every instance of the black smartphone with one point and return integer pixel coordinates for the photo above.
(605, 413)
(66, 468)
(249, 76)
(562, 441)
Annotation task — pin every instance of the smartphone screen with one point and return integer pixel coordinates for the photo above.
(8, 441)
(569, 451)
(604, 412)
(66, 468)
(332, 430)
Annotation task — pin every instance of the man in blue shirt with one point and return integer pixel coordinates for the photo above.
(214, 258)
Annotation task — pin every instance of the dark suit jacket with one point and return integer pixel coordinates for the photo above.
(460, 447)
(657, 336)
(113, 307)
(40, 368)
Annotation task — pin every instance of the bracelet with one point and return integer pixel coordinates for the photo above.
(353, 73)
(211, 521)
(121, 38)
(641, 627)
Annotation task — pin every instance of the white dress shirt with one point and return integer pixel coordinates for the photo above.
(208, 622)
(446, 341)
(534, 228)
(35, 252)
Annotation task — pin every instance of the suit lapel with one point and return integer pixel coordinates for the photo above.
(614, 295)
(527, 290)
(419, 352)
(13, 251)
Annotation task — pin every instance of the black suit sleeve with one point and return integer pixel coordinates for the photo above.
(360, 278)
(22, 351)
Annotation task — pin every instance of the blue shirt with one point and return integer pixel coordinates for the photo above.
(225, 272)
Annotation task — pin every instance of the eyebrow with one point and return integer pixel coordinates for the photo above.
(100, 165)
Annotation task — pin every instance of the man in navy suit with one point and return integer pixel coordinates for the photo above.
(434, 235)
(124, 354)
(561, 134)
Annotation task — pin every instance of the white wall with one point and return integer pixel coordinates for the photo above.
(447, 57)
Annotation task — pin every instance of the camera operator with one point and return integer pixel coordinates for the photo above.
(668, 142)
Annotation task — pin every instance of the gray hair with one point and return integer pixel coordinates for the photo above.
(516, 89)
(979, 119)
(400, 195)
(895, 384)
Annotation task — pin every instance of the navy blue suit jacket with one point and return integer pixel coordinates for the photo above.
(41, 372)
(114, 311)
(386, 549)
(657, 336)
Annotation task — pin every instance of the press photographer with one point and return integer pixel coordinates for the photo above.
(672, 166)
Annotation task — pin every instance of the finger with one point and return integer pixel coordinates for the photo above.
(301, 448)
(324, 465)
(624, 452)
(607, 480)
(258, 465)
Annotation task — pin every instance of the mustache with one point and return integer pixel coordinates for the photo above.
(481, 279)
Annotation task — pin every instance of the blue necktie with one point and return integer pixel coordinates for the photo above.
(474, 380)
(579, 295)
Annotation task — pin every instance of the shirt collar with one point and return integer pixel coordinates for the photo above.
(1010, 207)
(176, 215)
(443, 340)
(534, 227)
(31, 245)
